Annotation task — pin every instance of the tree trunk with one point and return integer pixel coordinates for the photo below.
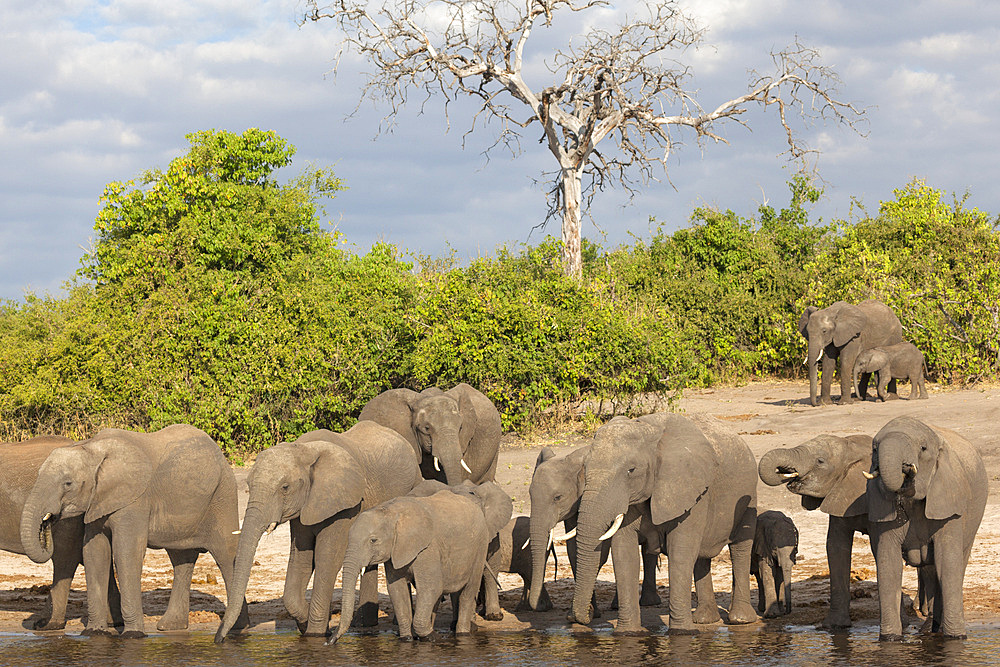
(572, 194)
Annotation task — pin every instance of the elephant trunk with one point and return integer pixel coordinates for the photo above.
(786, 581)
(777, 464)
(890, 467)
(36, 525)
(254, 524)
(446, 448)
(351, 574)
(597, 513)
(539, 533)
(812, 361)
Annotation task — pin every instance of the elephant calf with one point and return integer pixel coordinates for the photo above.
(775, 548)
(902, 361)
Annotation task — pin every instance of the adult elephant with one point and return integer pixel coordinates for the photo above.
(926, 497)
(172, 489)
(691, 486)
(455, 434)
(842, 331)
(828, 473)
(319, 483)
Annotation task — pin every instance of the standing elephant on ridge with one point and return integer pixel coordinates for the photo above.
(172, 489)
(902, 361)
(437, 543)
(555, 492)
(319, 483)
(926, 496)
(695, 484)
(842, 331)
(455, 434)
(775, 548)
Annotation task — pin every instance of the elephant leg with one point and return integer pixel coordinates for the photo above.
(128, 551)
(367, 615)
(491, 598)
(826, 381)
(848, 355)
(300, 568)
(892, 389)
(176, 615)
(427, 579)
(839, 541)
(466, 599)
(918, 385)
(330, 547)
(650, 597)
(681, 560)
(402, 605)
(707, 610)
(625, 560)
(889, 572)
(761, 598)
(740, 551)
(97, 569)
(66, 556)
(767, 590)
(950, 560)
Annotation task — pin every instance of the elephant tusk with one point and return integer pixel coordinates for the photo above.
(613, 529)
(48, 515)
(466, 466)
(789, 475)
(912, 469)
(571, 534)
(525, 545)
(805, 362)
(271, 528)
(237, 532)
(869, 475)
(549, 545)
(437, 466)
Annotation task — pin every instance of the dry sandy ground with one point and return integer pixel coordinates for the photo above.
(767, 415)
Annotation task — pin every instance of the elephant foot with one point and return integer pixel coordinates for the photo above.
(48, 624)
(572, 618)
(845, 401)
(133, 634)
(406, 638)
(954, 636)
(315, 634)
(493, 615)
(650, 599)
(632, 631)
(890, 638)
(742, 613)
(774, 611)
(706, 614)
(432, 637)
(172, 622)
(681, 631)
(98, 632)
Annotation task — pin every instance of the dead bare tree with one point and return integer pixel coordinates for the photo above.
(623, 83)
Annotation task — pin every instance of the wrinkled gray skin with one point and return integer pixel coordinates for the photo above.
(842, 331)
(828, 472)
(691, 486)
(508, 553)
(435, 543)
(502, 554)
(19, 464)
(172, 489)
(555, 492)
(775, 548)
(445, 429)
(319, 483)
(925, 505)
(902, 361)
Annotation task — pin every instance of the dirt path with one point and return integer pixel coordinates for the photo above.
(767, 415)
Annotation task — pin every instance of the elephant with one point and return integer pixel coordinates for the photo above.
(775, 548)
(555, 491)
(320, 483)
(843, 331)
(172, 489)
(926, 495)
(901, 361)
(437, 543)
(691, 486)
(455, 434)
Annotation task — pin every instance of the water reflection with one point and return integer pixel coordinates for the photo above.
(795, 645)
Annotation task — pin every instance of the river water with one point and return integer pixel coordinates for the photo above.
(791, 645)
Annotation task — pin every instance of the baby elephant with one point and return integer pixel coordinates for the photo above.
(775, 548)
(901, 361)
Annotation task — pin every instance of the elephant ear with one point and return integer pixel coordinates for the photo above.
(393, 409)
(881, 503)
(469, 420)
(850, 321)
(337, 483)
(497, 506)
(686, 464)
(544, 455)
(848, 495)
(949, 489)
(413, 534)
(804, 320)
(122, 475)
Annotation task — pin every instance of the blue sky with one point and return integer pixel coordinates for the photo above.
(92, 92)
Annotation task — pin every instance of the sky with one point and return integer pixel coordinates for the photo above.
(96, 91)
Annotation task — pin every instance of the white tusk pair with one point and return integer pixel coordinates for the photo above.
(869, 475)
(437, 466)
(466, 466)
(47, 516)
(613, 529)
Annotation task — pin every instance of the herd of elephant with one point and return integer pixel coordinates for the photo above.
(411, 487)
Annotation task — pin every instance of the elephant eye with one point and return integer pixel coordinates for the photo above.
(821, 462)
(284, 487)
(68, 483)
(558, 497)
(631, 470)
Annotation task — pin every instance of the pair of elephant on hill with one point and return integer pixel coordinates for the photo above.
(866, 338)
(918, 492)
